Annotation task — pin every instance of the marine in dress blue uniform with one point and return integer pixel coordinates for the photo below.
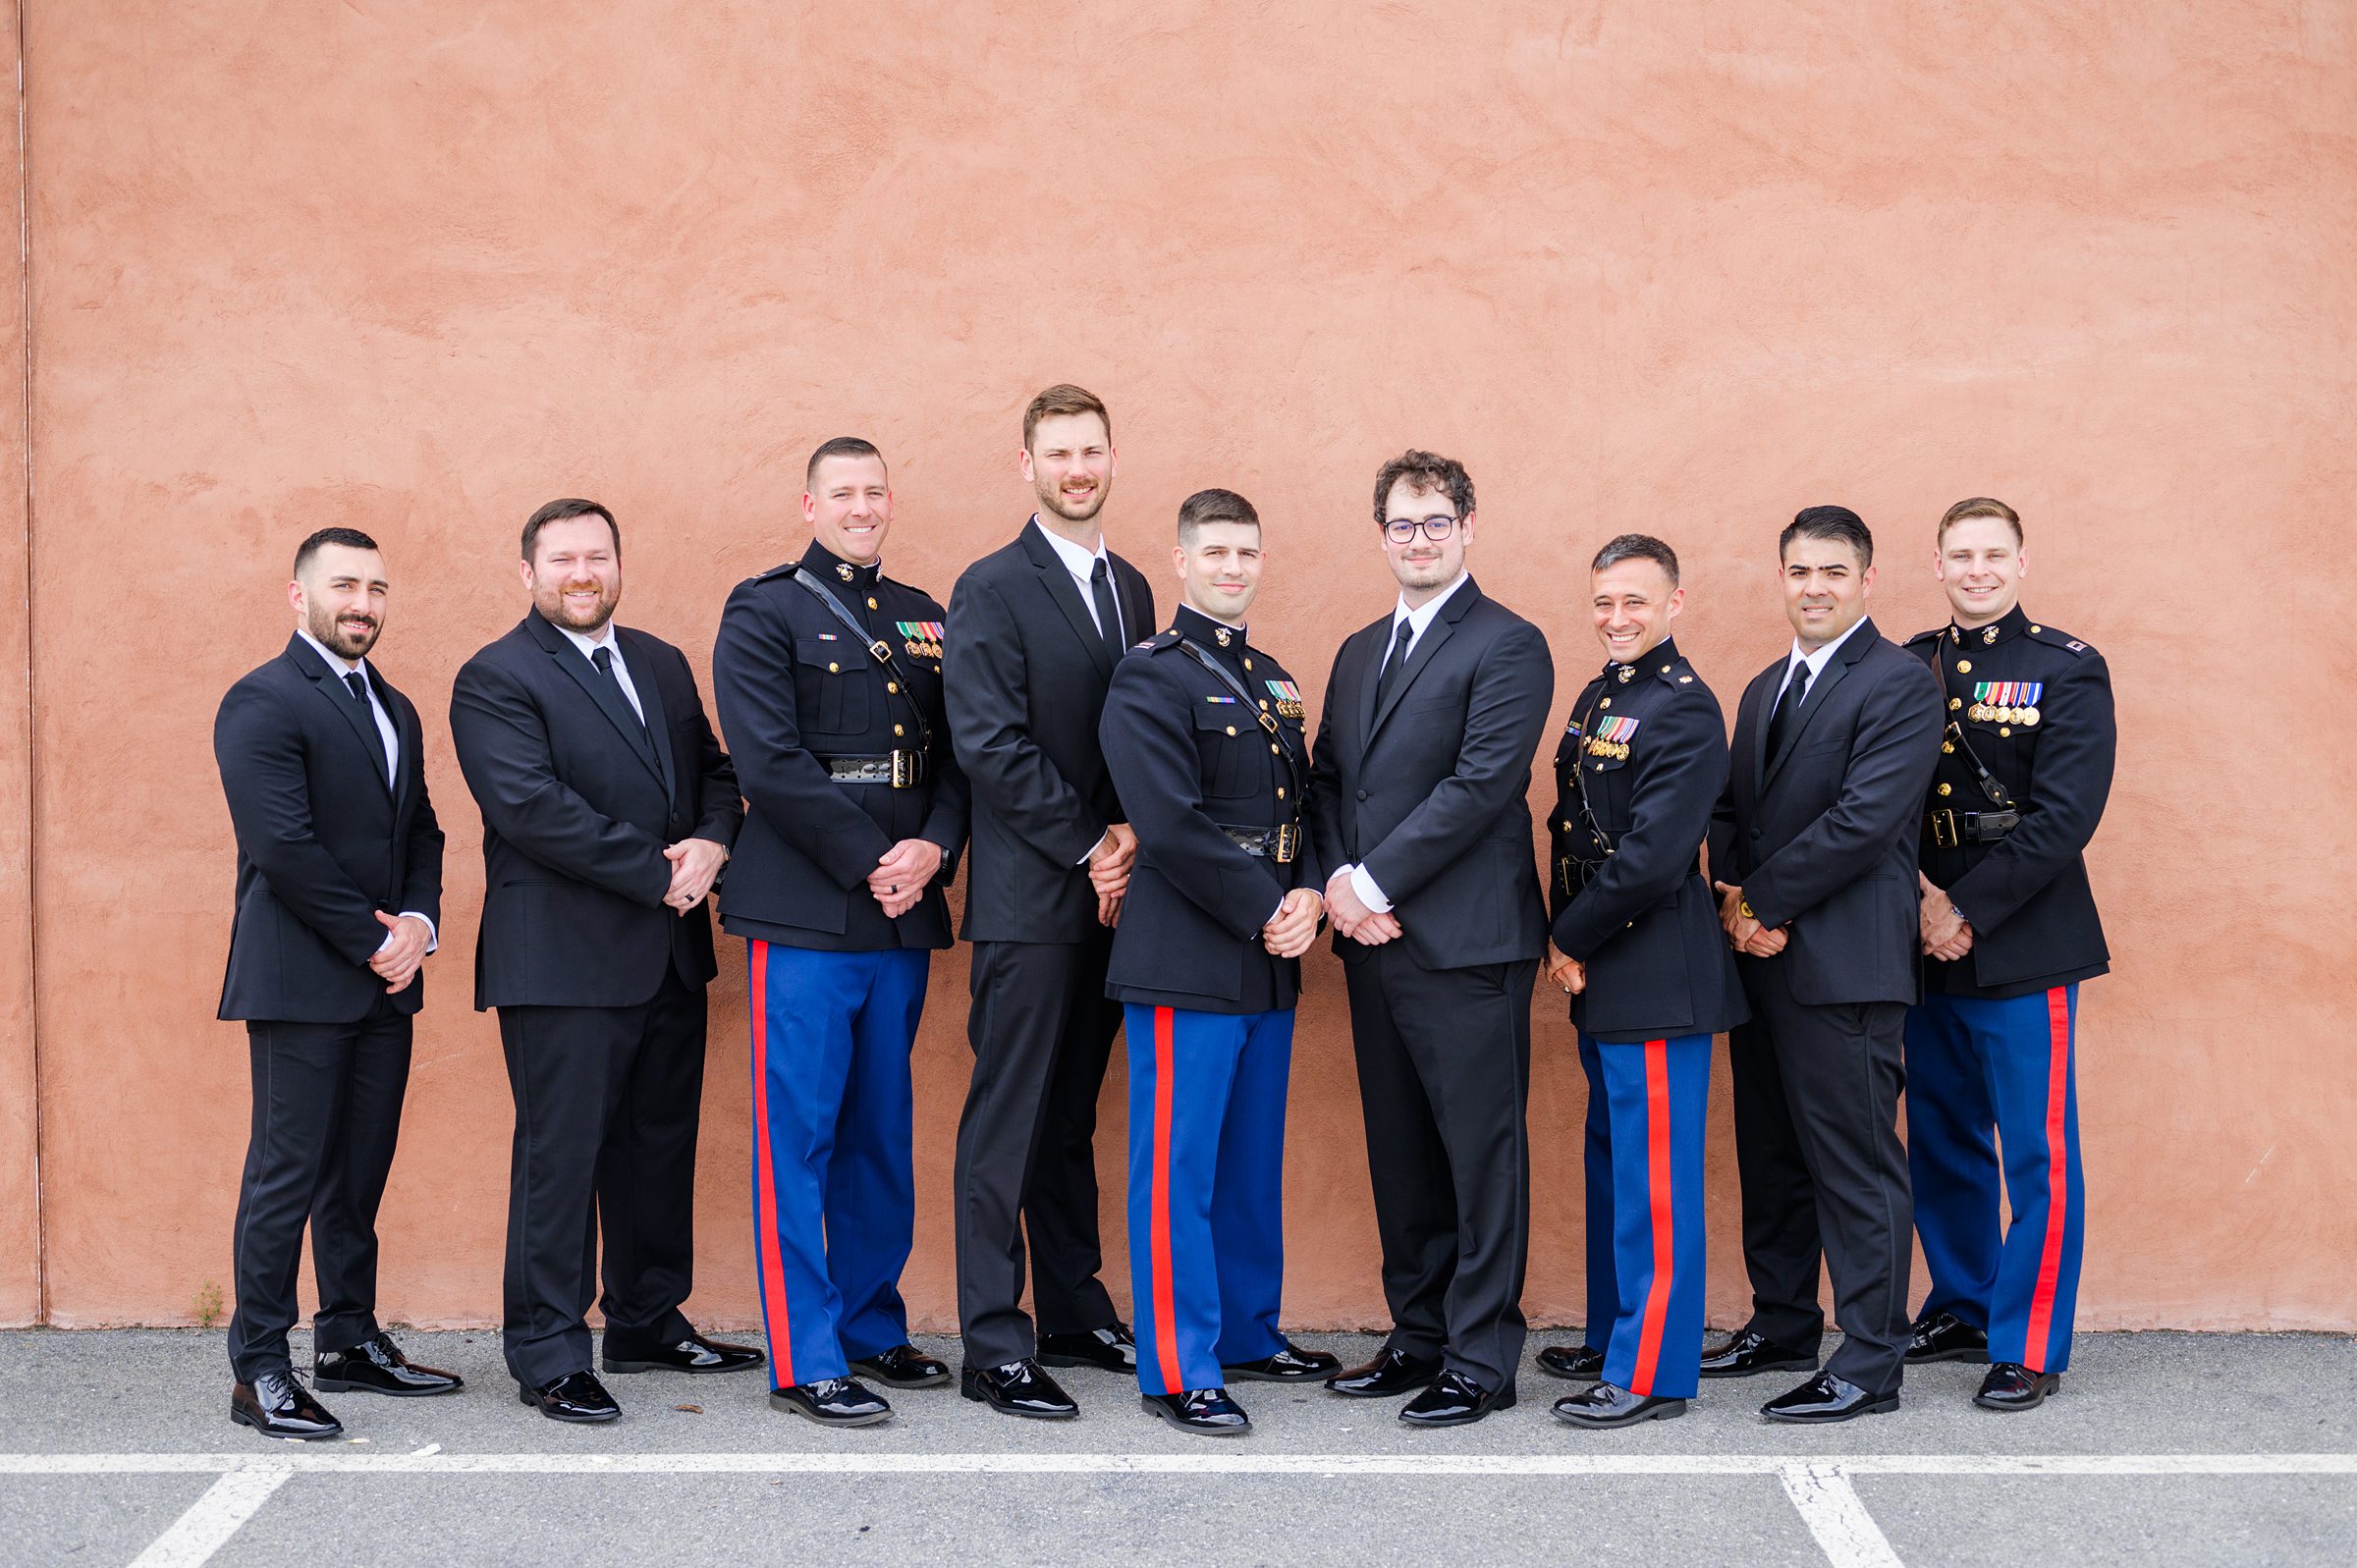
(1991, 1050)
(1640, 766)
(828, 679)
(1203, 734)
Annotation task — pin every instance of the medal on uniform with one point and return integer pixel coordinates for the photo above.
(923, 637)
(2006, 702)
(1288, 698)
(1612, 737)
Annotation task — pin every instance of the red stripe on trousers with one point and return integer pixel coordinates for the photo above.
(1165, 1333)
(765, 1189)
(1665, 1233)
(2057, 1176)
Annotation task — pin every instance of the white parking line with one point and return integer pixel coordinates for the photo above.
(1819, 1490)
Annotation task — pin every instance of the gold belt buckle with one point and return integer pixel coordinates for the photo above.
(1944, 829)
(904, 770)
(1289, 842)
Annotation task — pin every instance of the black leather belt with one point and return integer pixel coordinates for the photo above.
(1951, 829)
(1279, 844)
(903, 770)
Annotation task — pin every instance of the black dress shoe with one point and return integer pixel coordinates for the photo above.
(1453, 1401)
(1291, 1363)
(1610, 1405)
(1825, 1397)
(1749, 1352)
(1945, 1337)
(275, 1405)
(1392, 1371)
(2011, 1385)
(1109, 1347)
(576, 1396)
(1017, 1389)
(376, 1366)
(695, 1353)
(903, 1367)
(1205, 1410)
(1578, 1362)
(832, 1402)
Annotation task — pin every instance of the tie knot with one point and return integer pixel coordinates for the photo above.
(1100, 570)
(1406, 629)
(357, 682)
(602, 657)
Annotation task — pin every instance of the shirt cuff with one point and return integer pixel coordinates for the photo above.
(1094, 848)
(1369, 894)
(433, 938)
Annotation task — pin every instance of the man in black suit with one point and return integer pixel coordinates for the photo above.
(1034, 631)
(607, 810)
(1417, 808)
(1813, 847)
(339, 890)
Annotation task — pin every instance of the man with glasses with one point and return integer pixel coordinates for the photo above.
(1418, 804)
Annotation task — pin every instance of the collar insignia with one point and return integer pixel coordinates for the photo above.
(1223, 635)
(1990, 636)
(842, 569)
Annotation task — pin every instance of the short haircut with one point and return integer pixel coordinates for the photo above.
(839, 446)
(1636, 547)
(1209, 507)
(1063, 398)
(1982, 506)
(1828, 522)
(559, 512)
(1426, 472)
(350, 538)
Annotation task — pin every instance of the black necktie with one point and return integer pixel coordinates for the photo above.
(1109, 618)
(1779, 723)
(1388, 675)
(603, 658)
(358, 684)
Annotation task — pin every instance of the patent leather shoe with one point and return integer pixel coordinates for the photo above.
(1750, 1352)
(903, 1367)
(1945, 1337)
(376, 1366)
(1455, 1400)
(1017, 1389)
(1575, 1363)
(695, 1353)
(1608, 1405)
(1291, 1364)
(1392, 1371)
(1825, 1397)
(276, 1405)
(578, 1396)
(1208, 1411)
(1110, 1347)
(2011, 1385)
(832, 1402)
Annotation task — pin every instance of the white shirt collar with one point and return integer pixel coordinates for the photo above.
(1081, 564)
(336, 661)
(1421, 617)
(589, 645)
(1816, 661)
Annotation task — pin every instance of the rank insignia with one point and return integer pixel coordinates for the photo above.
(923, 637)
(2005, 702)
(1288, 698)
(1612, 737)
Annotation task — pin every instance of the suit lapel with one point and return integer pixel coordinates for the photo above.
(355, 713)
(404, 733)
(1835, 670)
(1420, 655)
(607, 694)
(1762, 708)
(642, 661)
(1060, 586)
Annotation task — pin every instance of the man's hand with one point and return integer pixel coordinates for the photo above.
(396, 962)
(1109, 863)
(899, 878)
(1569, 973)
(1109, 910)
(695, 866)
(1295, 925)
(1352, 916)
(1941, 922)
(1743, 933)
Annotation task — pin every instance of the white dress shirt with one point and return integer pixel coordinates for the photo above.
(339, 667)
(606, 639)
(1815, 661)
(1418, 619)
(1082, 564)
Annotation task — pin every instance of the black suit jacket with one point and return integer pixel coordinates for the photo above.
(1639, 769)
(1429, 791)
(1025, 674)
(1822, 836)
(324, 840)
(577, 806)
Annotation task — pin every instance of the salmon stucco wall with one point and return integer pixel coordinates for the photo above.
(419, 265)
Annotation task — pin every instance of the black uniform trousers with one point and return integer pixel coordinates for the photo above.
(607, 1102)
(1444, 1080)
(1824, 1173)
(1042, 1029)
(326, 1113)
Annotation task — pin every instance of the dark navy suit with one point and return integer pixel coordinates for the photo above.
(840, 757)
(1637, 774)
(1819, 832)
(1992, 1047)
(1202, 765)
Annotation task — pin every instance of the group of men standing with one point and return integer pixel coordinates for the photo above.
(1152, 842)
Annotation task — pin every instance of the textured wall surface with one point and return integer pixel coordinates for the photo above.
(20, 1213)
(419, 265)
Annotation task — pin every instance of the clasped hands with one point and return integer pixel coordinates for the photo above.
(1109, 866)
(1352, 916)
(1743, 933)
(901, 875)
(396, 962)
(695, 866)
(1294, 924)
(1946, 934)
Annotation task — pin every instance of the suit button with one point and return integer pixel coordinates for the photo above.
(1755, 833)
(1363, 794)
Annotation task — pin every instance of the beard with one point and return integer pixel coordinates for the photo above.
(348, 642)
(1051, 497)
(553, 608)
(1424, 574)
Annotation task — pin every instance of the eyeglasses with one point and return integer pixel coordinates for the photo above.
(1402, 531)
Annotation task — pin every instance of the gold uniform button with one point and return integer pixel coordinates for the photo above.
(2002, 731)
(893, 686)
(1948, 746)
(1264, 705)
(871, 602)
(1232, 730)
(1280, 791)
(2037, 628)
(1248, 666)
(1272, 748)
(1944, 790)
(834, 669)
(898, 731)
(1954, 703)
(1963, 667)
(1604, 702)
(1567, 825)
